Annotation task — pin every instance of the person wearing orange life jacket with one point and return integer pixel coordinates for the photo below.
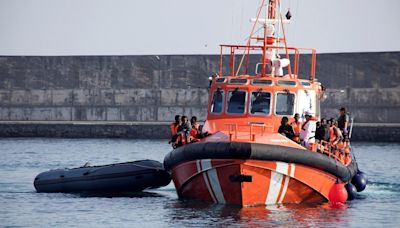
(183, 132)
(296, 125)
(174, 126)
(307, 133)
(330, 130)
(194, 132)
(335, 135)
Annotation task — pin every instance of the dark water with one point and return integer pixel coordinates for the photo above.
(20, 205)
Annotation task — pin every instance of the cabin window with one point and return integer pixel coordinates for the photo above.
(217, 101)
(236, 102)
(260, 103)
(284, 104)
(220, 80)
(238, 81)
(261, 82)
(286, 83)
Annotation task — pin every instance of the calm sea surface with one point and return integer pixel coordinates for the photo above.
(20, 206)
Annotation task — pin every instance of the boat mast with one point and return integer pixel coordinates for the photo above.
(270, 17)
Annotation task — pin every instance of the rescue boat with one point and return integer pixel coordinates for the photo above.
(114, 178)
(245, 161)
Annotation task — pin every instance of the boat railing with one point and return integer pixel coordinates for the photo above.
(333, 152)
(294, 54)
(248, 131)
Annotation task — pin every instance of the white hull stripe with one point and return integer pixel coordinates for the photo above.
(199, 170)
(292, 170)
(286, 184)
(211, 179)
(275, 183)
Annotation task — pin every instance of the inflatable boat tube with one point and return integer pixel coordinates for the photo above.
(255, 151)
(122, 177)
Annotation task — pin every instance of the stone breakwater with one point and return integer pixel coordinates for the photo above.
(152, 89)
(151, 130)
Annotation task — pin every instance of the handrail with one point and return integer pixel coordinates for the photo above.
(331, 151)
(295, 51)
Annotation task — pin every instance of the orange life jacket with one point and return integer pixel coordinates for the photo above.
(296, 128)
(341, 151)
(181, 139)
(174, 128)
(193, 132)
(332, 135)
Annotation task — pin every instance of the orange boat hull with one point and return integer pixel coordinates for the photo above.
(251, 182)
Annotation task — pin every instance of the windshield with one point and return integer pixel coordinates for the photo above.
(217, 102)
(260, 103)
(236, 102)
(284, 104)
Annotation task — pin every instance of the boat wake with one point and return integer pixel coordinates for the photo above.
(381, 187)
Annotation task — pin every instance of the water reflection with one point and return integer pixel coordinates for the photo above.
(117, 194)
(260, 216)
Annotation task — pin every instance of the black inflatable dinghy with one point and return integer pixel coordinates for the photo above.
(122, 177)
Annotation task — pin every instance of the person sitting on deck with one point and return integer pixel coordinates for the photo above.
(285, 129)
(183, 134)
(194, 132)
(335, 135)
(322, 131)
(307, 133)
(174, 126)
(296, 125)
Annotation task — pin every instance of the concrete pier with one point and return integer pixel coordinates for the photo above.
(124, 93)
(151, 130)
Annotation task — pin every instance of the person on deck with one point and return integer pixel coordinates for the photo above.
(285, 129)
(278, 64)
(322, 131)
(307, 133)
(183, 132)
(343, 121)
(296, 125)
(174, 126)
(318, 131)
(194, 132)
(335, 133)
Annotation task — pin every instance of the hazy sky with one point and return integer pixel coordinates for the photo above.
(137, 27)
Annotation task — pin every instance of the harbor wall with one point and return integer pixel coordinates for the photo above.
(153, 89)
(152, 130)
